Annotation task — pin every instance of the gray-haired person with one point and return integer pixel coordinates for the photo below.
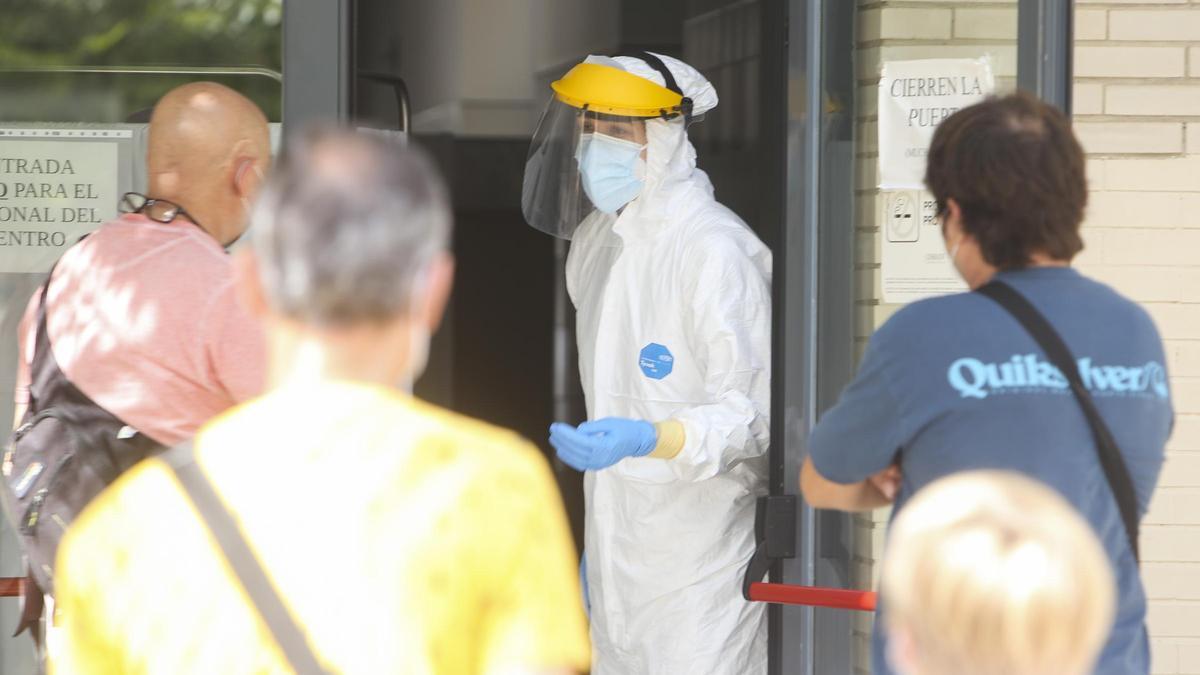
(395, 537)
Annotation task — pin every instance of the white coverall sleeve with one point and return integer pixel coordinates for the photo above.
(730, 333)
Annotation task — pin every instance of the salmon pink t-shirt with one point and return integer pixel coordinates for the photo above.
(143, 319)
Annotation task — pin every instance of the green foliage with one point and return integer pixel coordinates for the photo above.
(124, 33)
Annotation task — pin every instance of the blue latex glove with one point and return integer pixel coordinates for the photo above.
(600, 444)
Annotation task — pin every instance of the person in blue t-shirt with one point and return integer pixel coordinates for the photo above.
(956, 383)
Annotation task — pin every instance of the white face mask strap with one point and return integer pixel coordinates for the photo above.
(419, 335)
(246, 206)
(953, 253)
(241, 172)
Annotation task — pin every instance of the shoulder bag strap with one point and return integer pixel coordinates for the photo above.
(41, 336)
(41, 345)
(1060, 355)
(224, 528)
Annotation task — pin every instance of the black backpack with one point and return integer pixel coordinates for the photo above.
(66, 450)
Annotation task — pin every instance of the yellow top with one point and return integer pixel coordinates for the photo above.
(613, 91)
(403, 538)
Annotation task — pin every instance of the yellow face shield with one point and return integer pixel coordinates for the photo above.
(611, 91)
(588, 153)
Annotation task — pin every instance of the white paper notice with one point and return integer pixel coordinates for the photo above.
(914, 98)
(915, 263)
(51, 193)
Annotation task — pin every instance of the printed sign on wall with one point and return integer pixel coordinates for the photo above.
(914, 98)
(53, 190)
(915, 262)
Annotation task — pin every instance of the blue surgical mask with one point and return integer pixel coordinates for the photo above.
(612, 170)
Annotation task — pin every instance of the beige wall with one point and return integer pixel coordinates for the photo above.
(893, 31)
(1137, 105)
(1138, 114)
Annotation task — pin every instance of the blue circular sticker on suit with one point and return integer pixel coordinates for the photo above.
(656, 361)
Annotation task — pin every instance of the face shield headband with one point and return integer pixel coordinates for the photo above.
(685, 105)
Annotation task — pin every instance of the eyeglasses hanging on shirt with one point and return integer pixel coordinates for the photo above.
(159, 210)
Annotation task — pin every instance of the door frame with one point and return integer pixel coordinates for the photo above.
(814, 285)
(317, 61)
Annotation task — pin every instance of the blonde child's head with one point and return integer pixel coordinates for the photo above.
(991, 573)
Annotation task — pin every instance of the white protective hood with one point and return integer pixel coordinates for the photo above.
(679, 279)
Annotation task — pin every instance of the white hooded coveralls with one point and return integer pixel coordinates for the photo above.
(680, 280)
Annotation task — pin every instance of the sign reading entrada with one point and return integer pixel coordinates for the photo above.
(52, 191)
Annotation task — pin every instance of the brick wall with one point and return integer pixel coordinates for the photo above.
(894, 31)
(1137, 106)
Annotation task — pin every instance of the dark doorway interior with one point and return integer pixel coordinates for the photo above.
(495, 357)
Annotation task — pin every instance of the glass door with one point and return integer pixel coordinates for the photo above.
(866, 83)
(78, 81)
(794, 148)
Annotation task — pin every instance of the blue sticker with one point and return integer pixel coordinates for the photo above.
(656, 361)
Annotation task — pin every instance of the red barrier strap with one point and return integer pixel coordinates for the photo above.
(811, 596)
(784, 594)
(10, 587)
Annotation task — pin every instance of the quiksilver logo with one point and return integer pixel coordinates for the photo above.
(974, 378)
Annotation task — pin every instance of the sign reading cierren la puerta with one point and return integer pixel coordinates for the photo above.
(51, 193)
(914, 98)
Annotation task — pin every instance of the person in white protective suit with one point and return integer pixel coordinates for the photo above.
(673, 300)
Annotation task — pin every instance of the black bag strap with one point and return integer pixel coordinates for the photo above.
(1060, 355)
(41, 344)
(287, 633)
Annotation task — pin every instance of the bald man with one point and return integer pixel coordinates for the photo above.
(208, 150)
(141, 315)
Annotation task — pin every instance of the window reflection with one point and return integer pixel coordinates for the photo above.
(110, 38)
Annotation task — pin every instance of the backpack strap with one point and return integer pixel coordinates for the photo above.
(41, 337)
(236, 550)
(1111, 460)
(48, 381)
(33, 605)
